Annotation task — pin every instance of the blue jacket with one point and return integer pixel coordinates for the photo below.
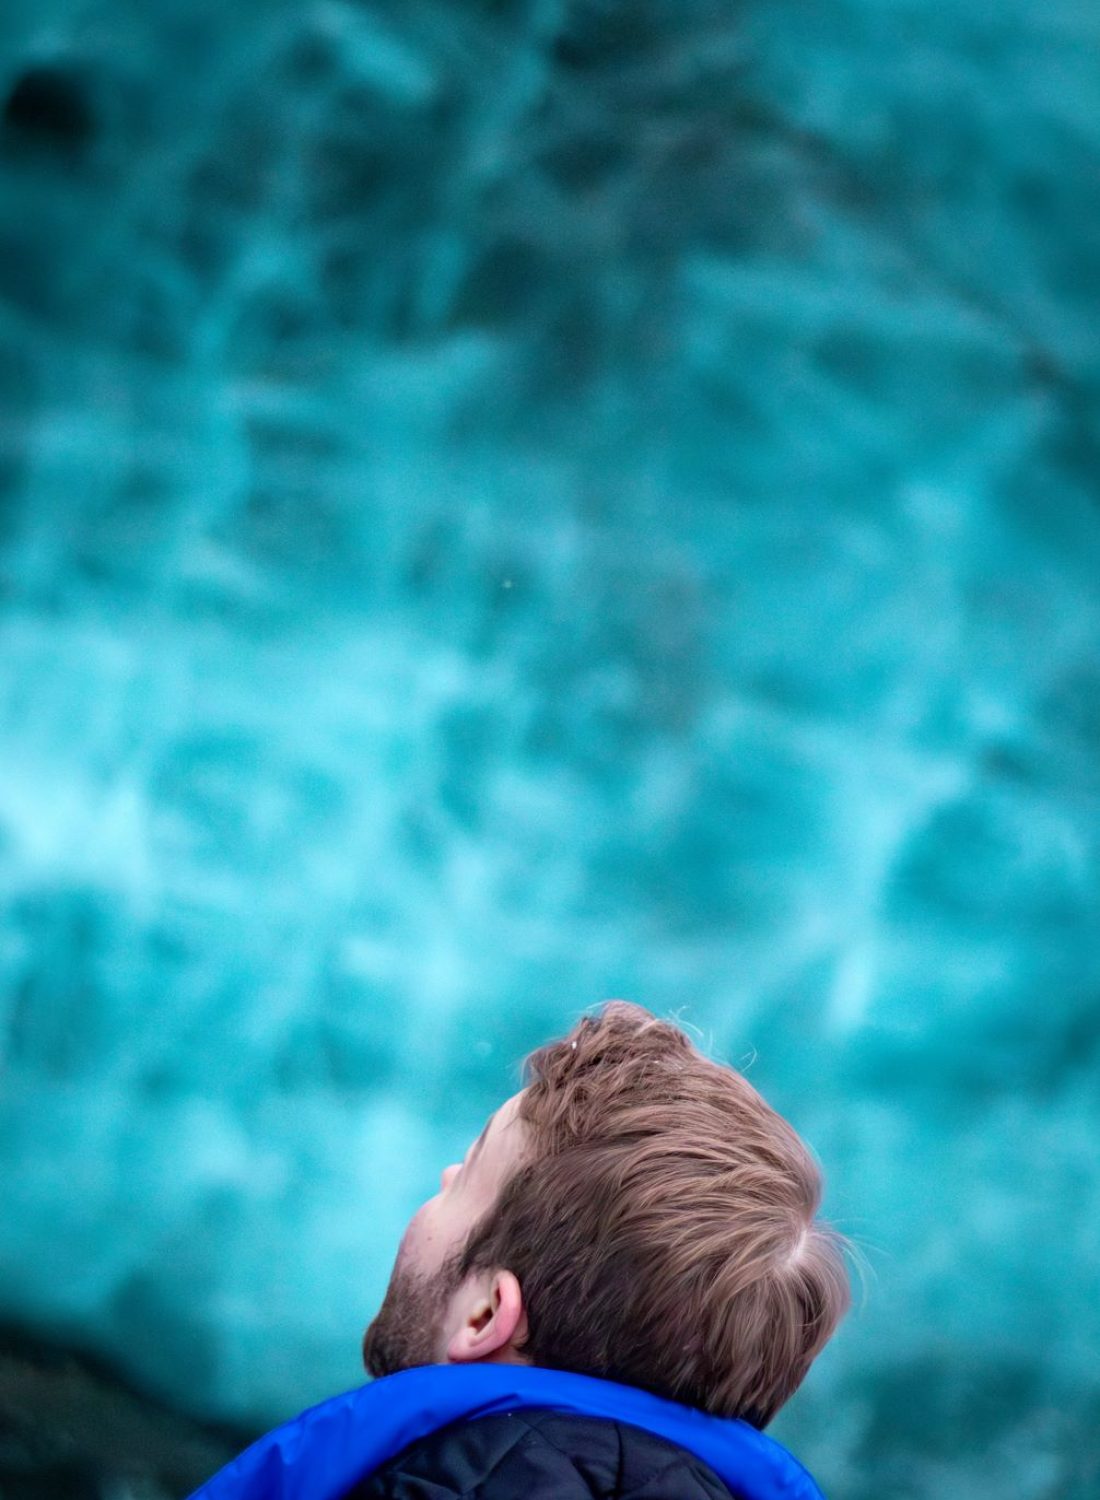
(331, 1448)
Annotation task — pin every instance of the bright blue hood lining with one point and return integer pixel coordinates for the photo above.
(320, 1454)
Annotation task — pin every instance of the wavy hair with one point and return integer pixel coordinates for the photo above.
(662, 1222)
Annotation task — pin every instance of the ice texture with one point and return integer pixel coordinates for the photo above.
(510, 504)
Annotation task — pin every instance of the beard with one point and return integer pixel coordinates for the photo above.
(408, 1328)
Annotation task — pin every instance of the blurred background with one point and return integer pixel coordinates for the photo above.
(508, 504)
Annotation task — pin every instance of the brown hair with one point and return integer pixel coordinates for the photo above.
(661, 1223)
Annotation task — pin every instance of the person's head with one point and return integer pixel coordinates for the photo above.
(636, 1212)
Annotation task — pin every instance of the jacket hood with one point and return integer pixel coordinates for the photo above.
(322, 1453)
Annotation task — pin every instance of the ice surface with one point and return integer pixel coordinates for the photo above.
(505, 505)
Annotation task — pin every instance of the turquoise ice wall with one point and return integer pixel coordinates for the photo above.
(510, 504)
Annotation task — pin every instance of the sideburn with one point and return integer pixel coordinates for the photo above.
(408, 1327)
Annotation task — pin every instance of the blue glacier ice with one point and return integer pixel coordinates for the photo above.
(504, 505)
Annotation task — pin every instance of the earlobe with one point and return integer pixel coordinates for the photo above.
(494, 1322)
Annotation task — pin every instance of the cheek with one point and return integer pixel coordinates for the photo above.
(434, 1233)
(419, 1244)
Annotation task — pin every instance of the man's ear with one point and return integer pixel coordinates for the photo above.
(493, 1321)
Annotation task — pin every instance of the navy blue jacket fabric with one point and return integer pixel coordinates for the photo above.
(332, 1448)
(542, 1455)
